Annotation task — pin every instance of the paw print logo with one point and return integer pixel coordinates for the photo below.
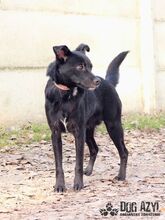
(109, 206)
(109, 210)
(103, 212)
(114, 212)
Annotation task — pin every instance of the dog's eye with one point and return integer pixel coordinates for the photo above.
(81, 67)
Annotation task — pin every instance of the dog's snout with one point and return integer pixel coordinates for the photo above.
(97, 81)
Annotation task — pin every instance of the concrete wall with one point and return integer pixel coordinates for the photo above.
(159, 21)
(29, 29)
(22, 96)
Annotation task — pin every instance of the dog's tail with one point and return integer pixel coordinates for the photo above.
(112, 74)
(83, 48)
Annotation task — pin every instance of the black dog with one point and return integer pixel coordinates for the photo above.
(77, 101)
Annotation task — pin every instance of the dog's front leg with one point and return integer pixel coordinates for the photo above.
(79, 142)
(57, 147)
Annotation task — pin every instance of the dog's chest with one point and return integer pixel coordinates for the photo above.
(69, 113)
(66, 118)
(64, 121)
(67, 124)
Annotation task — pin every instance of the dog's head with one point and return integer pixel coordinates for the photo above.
(73, 68)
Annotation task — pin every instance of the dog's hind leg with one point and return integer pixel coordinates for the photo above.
(93, 149)
(57, 148)
(115, 131)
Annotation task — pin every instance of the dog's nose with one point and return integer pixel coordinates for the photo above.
(97, 81)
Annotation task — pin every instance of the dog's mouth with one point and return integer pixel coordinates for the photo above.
(90, 86)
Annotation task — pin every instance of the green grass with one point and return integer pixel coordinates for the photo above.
(144, 122)
(140, 122)
(26, 134)
(36, 132)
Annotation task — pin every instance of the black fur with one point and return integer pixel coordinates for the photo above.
(83, 48)
(86, 102)
(112, 74)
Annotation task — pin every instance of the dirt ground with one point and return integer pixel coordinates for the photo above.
(27, 179)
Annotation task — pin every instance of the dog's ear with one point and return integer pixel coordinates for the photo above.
(83, 48)
(62, 52)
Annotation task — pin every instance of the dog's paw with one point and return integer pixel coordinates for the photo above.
(109, 206)
(88, 171)
(103, 212)
(78, 186)
(119, 178)
(59, 188)
(114, 212)
(78, 183)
